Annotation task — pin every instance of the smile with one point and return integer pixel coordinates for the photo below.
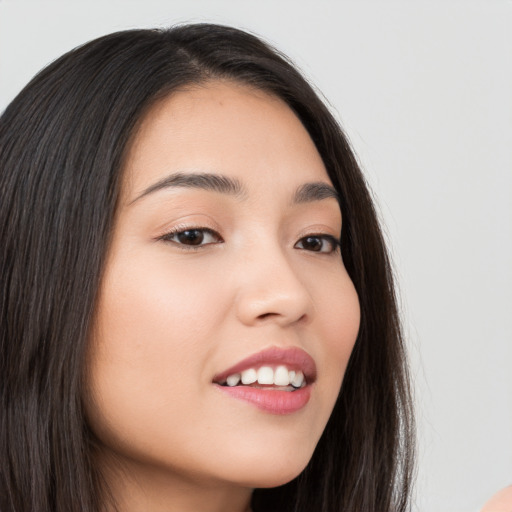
(266, 376)
(275, 380)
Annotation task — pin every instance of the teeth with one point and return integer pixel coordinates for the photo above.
(233, 380)
(298, 380)
(281, 376)
(267, 376)
(249, 376)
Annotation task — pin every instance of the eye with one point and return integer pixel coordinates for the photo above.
(318, 243)
(192, 237)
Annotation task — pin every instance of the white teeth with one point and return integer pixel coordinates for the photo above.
(233, 380)
(281, 376)
(249, 376)
(298, 380)
(265, 375)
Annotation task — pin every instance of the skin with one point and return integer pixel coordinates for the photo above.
(171, 317)
(500, 502)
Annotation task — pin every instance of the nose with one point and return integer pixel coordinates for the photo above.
(271, 290)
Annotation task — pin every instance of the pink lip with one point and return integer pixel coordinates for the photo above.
(272, 400)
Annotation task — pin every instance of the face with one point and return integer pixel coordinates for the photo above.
(224, 268)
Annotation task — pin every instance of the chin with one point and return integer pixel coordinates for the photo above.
(276, 479)
(272, 472)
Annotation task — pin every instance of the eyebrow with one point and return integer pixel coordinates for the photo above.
(202, 181)
(306, 193)
(317, 191)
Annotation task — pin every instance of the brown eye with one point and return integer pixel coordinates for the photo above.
(194, 237)
(318, 243)
(190, 237)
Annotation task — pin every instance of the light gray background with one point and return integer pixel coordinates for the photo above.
(424, 90)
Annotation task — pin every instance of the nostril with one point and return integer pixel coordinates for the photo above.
(266, 315)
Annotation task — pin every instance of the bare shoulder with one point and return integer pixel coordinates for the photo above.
(500, 502)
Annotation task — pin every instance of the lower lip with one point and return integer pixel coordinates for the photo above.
(269, 400)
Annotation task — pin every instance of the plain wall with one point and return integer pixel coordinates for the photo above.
(424, 91)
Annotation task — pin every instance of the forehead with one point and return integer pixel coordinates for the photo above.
(225, 128)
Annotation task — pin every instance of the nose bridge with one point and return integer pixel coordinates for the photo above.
(270, 288)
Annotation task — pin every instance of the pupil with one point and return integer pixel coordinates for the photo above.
(313, 243)
(191, 237)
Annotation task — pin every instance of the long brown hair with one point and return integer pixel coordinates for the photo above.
(62, 143)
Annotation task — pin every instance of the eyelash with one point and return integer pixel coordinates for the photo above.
(334, 243)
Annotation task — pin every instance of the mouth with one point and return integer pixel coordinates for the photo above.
(267, 377)
(275, 380)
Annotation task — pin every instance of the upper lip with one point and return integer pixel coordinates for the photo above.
(292, 357)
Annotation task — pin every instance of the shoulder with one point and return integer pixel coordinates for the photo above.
(500, 502)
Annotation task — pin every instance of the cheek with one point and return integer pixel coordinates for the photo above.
(147, 312)
(339, 318)
(150, 343)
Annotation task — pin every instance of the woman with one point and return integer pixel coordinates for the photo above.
(179, 310)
